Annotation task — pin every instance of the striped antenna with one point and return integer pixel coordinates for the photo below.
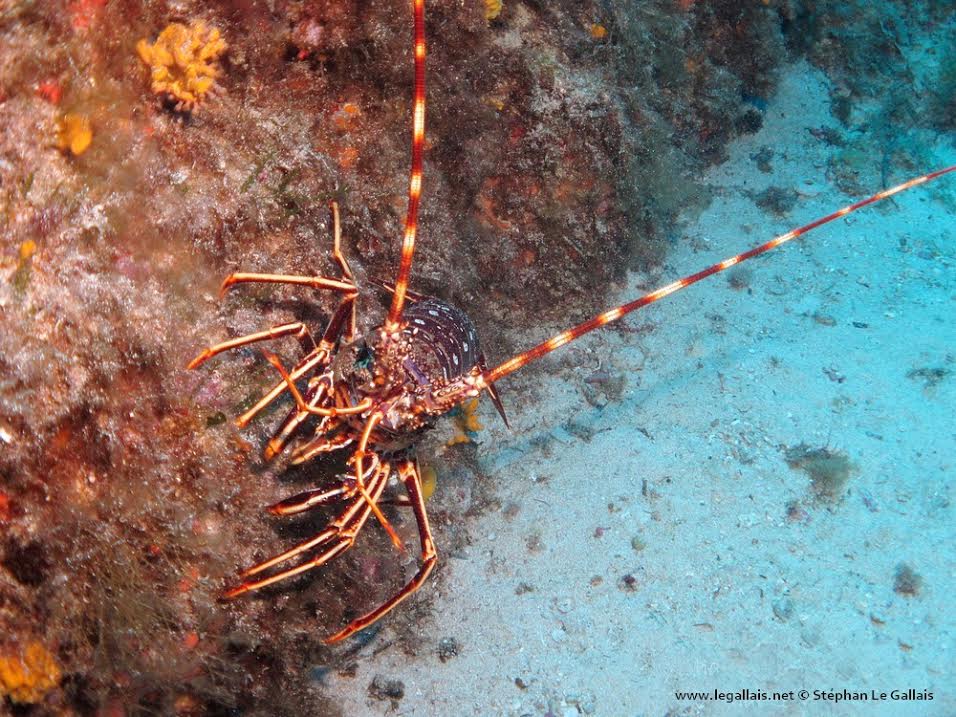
(415, 180)
(488, 377)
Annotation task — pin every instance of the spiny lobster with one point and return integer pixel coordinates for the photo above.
(376, 395)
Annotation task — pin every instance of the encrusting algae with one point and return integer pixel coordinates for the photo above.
(27, 678)
(183, 62)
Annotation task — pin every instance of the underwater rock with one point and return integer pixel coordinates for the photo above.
(28, 563)
(868, 52)
(448, 648)
(382, 688)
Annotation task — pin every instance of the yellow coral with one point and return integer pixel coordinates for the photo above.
(74, 133)
(598, 31)
(493, 9)
(27, 678)
(466, 422)
(182, 61)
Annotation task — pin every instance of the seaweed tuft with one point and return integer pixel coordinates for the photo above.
(829, 471)
(906, 581)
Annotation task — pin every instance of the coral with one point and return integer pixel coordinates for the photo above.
(493, 9)
(74, 133)
(344, 119)
(28, 677)
(182, 61)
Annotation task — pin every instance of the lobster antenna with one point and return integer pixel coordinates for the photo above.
(489, 376)
(415, 179)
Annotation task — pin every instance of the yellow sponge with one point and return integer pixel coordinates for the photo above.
(27, 678)
(183, 61)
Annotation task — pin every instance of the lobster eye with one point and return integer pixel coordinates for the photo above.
(365, 357)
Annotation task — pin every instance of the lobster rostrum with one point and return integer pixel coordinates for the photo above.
(374, 395)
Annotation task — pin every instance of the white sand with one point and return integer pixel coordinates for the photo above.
(724, 380)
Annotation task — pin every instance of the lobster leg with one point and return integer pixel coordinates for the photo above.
(320, 444)
(408, 473)
(343, 320)
(297, 329)
(342, 531)
(334, 528)
(358, 458)
(319, 359)
(306, 407)
(309, 499)
(337, 243)
(316, 282)
(318, 390)
(340, 258)
(315, 360)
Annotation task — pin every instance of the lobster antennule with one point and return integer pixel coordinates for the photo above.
(415, 178)
(488, 377)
